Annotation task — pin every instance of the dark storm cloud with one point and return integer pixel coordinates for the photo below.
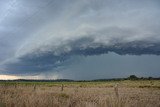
(34, 63)
(19, 19)
(38, 36)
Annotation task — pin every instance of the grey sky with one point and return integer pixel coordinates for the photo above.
(113, 66)
(43, 37)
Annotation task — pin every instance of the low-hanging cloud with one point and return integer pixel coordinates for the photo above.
(82, 29)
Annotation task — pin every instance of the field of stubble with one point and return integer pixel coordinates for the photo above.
(81, 94)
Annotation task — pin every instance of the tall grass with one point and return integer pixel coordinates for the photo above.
(119, 95)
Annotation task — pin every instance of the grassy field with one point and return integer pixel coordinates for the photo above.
(127, 93)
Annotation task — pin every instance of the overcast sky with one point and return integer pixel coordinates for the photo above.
(79, 39)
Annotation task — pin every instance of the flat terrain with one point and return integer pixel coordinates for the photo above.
(127, 93)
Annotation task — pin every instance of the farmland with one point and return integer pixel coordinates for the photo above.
(125, 93)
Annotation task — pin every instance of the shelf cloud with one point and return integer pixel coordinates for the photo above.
(38, 36)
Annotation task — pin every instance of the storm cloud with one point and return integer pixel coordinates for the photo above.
(42, 36)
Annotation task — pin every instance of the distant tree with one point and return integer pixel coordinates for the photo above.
(150, 78)
(133, 77)
(142, 78)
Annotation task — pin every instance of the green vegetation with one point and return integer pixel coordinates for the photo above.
(122, 83)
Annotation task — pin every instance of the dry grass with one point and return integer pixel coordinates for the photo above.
(80, 96)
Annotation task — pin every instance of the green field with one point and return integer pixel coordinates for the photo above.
(122, 83)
